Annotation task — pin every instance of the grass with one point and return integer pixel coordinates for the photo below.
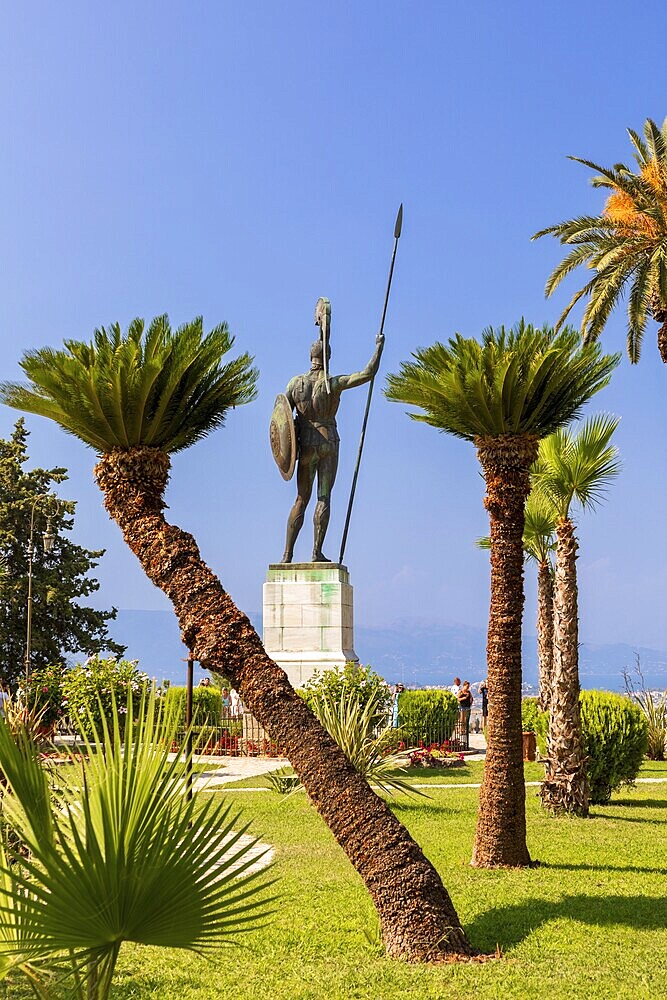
(590, 922)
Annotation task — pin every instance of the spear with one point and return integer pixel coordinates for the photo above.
(397, 233)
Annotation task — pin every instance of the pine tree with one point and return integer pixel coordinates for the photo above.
(60, 624)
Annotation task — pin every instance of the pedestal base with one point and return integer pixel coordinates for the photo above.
(308, 618)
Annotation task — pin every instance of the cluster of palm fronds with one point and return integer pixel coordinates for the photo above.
(113, 851)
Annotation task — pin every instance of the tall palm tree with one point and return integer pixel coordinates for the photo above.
(538, 544)
(136, 399)
(504, 395)
(571, 467)
(626, 245)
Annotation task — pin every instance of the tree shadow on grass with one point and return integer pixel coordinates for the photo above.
(509, 925)
(627, 819)
(640, 803)
(636, 869)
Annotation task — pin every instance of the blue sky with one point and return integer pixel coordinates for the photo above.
(240, 160)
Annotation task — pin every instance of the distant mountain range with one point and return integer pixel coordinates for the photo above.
(415, 652)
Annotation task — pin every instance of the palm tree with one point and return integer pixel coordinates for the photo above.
(136, 399)
(626, 246)
(570, 467)
(504, 395)
(538, 544)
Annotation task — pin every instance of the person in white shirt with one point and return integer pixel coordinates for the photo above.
(456, 686)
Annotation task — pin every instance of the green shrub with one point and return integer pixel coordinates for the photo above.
(97, 688)
(206, 705)
(353, 680)
(534, 720)
(615, 739)
(427, 716)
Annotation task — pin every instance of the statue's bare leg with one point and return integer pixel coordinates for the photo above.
(326, 477)
(305, 477)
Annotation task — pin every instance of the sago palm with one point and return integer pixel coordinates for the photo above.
(503, 394)
(539, 542)
(625, 246)
(118, 853)
(572, 467)
(135, 399)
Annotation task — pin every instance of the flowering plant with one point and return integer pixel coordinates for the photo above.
(434, 756)
(97, 688)
(43, 694)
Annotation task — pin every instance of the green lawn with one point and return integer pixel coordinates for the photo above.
(591, 921)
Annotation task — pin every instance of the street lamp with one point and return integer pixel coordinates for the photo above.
(48, 540)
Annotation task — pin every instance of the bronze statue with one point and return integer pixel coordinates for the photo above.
(315, 396)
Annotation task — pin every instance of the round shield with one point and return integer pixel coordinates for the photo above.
(283, 437)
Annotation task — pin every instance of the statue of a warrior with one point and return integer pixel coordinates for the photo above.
(312, 438)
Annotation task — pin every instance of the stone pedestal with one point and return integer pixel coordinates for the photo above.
(308, 619)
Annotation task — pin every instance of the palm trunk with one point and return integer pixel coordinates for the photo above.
(500, 838)
(416, 914)
(545, 632)
(565, 786)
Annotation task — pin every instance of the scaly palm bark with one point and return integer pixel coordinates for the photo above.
(565, 786)
(545, 632)
(416, 914)
(500, 838)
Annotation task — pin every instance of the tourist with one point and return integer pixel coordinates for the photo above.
(456, 686)
(484, 691)
(236, 705)
(465, 704)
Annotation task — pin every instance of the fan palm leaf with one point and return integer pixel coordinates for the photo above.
(123, 855)
(150, 387)
(576, 465)
(626, 246)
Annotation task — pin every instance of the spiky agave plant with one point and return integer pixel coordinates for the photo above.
(119, 854)
(625, 246)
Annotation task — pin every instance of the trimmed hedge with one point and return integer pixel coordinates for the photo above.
(206, 704)
(615, 738)
(427, 716)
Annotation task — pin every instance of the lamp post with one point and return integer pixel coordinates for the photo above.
(48, 540)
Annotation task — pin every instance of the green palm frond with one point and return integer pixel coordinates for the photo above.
(623, 244)
(577, 465)
(520, 381)
(123, 855)
(150, 387)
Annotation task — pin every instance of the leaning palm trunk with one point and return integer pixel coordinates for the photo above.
(565, 786)
(416, 914)
(545, 632)
(500, 838)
